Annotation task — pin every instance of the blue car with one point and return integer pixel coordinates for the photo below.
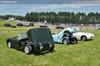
(65, 37)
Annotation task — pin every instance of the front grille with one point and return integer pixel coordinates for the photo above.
(46, 45)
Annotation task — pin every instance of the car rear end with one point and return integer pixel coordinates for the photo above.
(41, 39)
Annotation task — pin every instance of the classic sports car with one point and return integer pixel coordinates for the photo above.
(80, 35)
(36, 40)
(65, 37)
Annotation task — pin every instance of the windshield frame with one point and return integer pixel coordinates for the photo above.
(75, 30)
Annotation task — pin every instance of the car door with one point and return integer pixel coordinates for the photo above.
(77, 35)
(60, 37)
(15, 43)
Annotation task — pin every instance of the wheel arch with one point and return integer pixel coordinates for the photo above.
(82, 36)
(8, 41)
(65, 38)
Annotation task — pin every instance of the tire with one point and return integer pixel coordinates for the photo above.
(75, 41)
(9, 44)
(28, 49)
(84, 38)
(65, 41)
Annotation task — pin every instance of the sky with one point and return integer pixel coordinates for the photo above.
(21, 7)
(51, 1)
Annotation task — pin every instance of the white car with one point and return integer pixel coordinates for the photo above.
(80, 35)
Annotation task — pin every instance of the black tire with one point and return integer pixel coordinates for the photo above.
(84, 38)
(9, 44)
(75, 41)
(65, 41)
(28, 49)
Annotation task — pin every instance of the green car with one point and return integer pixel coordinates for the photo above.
(37, 40)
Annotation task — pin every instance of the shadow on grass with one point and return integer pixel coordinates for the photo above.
(66, 44)
(34, 53)
(43, 53)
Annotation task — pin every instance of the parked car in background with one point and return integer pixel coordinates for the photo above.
(27, 24)
(44, 26)
(97, 26)
(59, 27)
(31, 24)
(7, 24)
(19, 24)
(80, 35)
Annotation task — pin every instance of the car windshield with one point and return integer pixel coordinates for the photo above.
(22, 35)
(75, 30)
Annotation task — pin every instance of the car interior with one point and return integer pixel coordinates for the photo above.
(22, 36)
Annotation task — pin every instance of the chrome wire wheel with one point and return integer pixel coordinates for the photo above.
(65, 42)
(26, 49)
(9, 45)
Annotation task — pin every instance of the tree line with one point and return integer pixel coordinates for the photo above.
(59, 17)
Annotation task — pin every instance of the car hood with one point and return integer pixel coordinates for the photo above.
(12, 37)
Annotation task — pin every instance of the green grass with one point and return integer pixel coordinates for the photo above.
(81, 54)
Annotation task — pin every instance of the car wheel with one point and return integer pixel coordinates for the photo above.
(9, 44)
(75, 41)
(65, 41)
(28, 49)
(83, 38)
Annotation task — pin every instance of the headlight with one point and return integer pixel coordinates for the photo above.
(50, 45)
(91, 36)
(41, 47)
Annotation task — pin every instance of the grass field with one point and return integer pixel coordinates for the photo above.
(81, 54)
